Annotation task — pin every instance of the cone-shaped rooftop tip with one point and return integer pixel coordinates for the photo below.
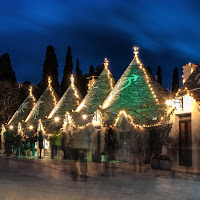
(72, 80)
(31, 93)
(106, 63)
(49, 81)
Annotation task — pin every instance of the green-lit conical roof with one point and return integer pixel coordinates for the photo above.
(68, 102)
(44, 106)
(99, 91)
(136, 92)
(24, 109)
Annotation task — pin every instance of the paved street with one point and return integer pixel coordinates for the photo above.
(20, 184)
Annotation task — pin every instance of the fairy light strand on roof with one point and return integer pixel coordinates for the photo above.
(73, 86)
(130, 118)
(51, 90)
(106, 63)
(136, 52)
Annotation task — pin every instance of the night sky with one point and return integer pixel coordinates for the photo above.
(167, 32)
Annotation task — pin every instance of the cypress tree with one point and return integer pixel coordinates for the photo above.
(80, 80)
(68, 68)
(149, 69)
(50, 68)
(91, 71)
(9, 99)
(175, 80)
(99, 69)
(6, 72)
(159, 75)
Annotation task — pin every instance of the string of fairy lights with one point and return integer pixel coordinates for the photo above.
(106, 63)
(51, 90)
(31, 95)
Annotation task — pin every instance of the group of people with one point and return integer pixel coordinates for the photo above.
(31, 142)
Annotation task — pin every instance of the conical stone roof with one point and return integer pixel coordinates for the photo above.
(99, 91)
(43, 107)
(137, 93)
(24, 109)
(68, 102)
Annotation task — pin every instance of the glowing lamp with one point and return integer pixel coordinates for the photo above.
(84, 116)
(11, 127)
(56, 119)
(31, 127)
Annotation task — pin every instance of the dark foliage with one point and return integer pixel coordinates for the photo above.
(99, 69)
(50, 68)
(149, 69)
(159, 75)
(175, 80)
(80, 80)
(68, 68)
(9, 99)
(91, 71)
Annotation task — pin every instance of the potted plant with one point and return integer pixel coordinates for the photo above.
(165, 162)
(155, 162)
(99, 157)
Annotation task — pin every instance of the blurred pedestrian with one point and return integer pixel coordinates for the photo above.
(40, 141)
(64, 145)
(18, 144)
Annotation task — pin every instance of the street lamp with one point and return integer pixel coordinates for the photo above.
(30, 127)
(84, 117)
(57, 119)
(11, 127)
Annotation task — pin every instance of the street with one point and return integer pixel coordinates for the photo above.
(19, 184)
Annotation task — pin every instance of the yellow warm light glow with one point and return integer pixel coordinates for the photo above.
(30, 127)
(169, 102)
(129, 117)
(31, 94)
(84, 116)
(73, 86)
(51, 90)
(57, 119)
(108, 72)
(11, 127)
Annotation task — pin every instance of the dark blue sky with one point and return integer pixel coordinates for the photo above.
(167, 32)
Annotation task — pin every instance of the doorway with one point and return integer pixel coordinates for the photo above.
(185, 141)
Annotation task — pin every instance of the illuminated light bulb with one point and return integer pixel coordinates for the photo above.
(57, 119)
(84, 116)
(11, 127)
(30, 127)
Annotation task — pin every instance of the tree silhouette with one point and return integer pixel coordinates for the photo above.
(149, 69)
(50, 68)
(159, 75)
(175, 80)
(9, 99)
(91, 71)
(6, 72)
(80, 80)
(68, 68)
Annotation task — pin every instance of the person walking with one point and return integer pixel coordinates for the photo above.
(18, 144)
(40, 141)
(33, 139)
(64, 145)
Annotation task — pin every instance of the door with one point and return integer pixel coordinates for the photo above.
(185, 143)
(125, 146)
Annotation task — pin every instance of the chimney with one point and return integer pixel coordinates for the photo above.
(188, 70)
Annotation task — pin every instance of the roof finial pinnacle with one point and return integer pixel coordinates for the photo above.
(106, 63)
(136, 50)
(49, 81)
(72, 80)
(30, 90)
